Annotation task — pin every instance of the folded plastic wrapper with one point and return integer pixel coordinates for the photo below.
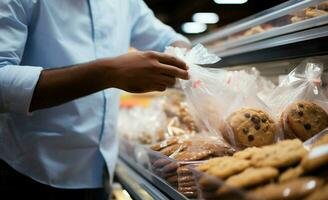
(301, 84)
(216, 94)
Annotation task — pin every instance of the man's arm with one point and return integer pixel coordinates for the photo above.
(133, 72)
(29, 88)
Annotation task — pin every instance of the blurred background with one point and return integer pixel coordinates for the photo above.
(189, 17)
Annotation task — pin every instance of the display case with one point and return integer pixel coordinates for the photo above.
(274, 41)
(294, 29)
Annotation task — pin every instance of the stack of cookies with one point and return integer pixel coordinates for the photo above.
(172, 155)
(285, 170)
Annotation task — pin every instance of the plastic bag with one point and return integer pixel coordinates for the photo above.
(217, 95)
(300, 102)
(146, 125)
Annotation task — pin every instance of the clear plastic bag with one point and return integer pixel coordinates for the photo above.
(145, 125)
(218, 94)
(300, 101)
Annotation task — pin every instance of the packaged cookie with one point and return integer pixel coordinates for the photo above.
(227, 101)
(300, 102)
(170, 159)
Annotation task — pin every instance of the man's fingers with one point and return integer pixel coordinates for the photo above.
(171, 60)
(173, 71)
(167, 80)
(160, 87)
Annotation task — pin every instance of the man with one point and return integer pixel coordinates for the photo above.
(60, 61)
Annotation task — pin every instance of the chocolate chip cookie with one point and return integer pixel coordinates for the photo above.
(227, 166)
(282, 154)
(251, 177)
(303, 119)
(252, 127)
(291, 173)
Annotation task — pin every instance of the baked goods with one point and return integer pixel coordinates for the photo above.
(182, 150)
(280, 165)
(323, 6)
(319, 194)
(252, 127)
(252, 176)
(281, 154)
(161, 145)
(309, 13)
(224, 166)
(317, 157)
(254, 30)
(296, 189)
(312, 12)
(303, 119)
(291, 173)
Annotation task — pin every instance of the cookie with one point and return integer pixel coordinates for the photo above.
(291, 173)
(208, 183)
(304, 119)
(184, 179)
(312, 12)
(183, 170)
(295, 19)
(187, 189)
(205, 166)
(292, 190)
(227, 166)
(247, 153)
(193, 156)
(317, 157)
(282, 154)
(167, 151)
(190, 194)
(251, 177)
(187, 184)
(323, 6)
(163, 144)
(252, 127)
(319, 194)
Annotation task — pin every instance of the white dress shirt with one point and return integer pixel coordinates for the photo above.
(66, 146)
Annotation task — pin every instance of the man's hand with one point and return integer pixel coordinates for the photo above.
(133, 72)
(144, 71)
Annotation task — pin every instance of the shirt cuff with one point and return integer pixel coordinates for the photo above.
(17, 85)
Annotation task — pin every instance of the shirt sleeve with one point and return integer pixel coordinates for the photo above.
(149, 33)
(17, 82)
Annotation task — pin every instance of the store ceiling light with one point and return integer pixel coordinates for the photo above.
(230, 1)
(205, 17)
(193, 27)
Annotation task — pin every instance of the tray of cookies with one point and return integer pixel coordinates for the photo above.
(170, 158)
(288, 169)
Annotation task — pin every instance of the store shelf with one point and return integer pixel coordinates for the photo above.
(312, 42)
(156, 187)
(274, 32)
(259, 18)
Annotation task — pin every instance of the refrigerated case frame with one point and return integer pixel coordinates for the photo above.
(257, 19)
(303, 39)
